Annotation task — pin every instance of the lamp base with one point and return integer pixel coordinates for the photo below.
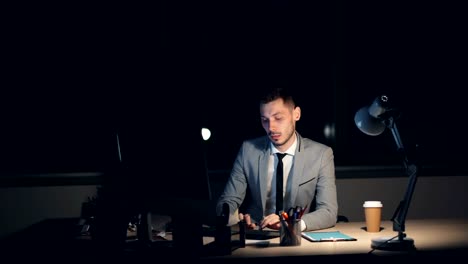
(392, 244)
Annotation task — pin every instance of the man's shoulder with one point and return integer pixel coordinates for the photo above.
(308, 143)
(258, 142)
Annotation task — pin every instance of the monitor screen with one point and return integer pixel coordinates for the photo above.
(159, 169)
(163, 168)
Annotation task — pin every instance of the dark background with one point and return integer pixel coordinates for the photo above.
(75, 75)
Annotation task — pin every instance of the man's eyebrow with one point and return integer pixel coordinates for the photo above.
(273, 115)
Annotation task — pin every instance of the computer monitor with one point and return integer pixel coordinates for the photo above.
(160, 171)
(165, 165)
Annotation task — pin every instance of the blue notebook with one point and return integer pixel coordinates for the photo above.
(316, 236)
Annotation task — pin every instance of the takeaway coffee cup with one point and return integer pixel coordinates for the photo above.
(373, 213)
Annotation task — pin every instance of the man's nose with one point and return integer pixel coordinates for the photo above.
(271, 126)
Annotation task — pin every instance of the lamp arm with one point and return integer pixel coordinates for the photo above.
(399, 217)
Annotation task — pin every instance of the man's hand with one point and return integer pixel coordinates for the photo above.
(271, 221)
(248, 221)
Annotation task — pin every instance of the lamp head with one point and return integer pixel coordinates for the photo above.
(370, 119)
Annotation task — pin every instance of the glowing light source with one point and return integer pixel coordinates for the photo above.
(206, 133)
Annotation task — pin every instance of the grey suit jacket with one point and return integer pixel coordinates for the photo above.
(312, 176)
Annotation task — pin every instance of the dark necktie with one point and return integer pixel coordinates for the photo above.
(279, 183)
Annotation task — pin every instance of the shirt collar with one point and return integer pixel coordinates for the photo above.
(290, 151)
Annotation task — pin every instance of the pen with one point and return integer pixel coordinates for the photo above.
(285, 215)
(302, 211)
(297, 213)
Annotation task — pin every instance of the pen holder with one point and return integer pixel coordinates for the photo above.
(290, 233)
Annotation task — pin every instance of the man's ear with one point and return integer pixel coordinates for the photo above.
(297, 113)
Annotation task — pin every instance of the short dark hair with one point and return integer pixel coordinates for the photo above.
(277, 93)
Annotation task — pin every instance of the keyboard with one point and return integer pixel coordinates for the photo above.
(254, 234)
(261, 234)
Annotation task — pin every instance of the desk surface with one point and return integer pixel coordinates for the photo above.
(432, 238)
(435, 235)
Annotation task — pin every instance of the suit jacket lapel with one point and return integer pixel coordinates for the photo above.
(294, 181)
(263, 174)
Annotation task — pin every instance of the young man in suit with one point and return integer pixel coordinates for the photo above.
(308, 169)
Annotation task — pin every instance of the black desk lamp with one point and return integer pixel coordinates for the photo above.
(372, 120)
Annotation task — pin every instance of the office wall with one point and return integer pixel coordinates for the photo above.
(434, 197)
(21, 207)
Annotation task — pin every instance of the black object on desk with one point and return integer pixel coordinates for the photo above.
(258, 234)
(226, 239)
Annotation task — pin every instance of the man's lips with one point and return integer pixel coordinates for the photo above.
(275, 137)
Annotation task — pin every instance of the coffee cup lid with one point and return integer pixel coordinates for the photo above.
(372, 204)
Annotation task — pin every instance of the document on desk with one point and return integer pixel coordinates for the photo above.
(316, 236)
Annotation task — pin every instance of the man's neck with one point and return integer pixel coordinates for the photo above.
(286, 146)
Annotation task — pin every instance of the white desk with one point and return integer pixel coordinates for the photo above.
(434, 235)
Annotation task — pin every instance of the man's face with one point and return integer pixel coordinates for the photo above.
(279, 121)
